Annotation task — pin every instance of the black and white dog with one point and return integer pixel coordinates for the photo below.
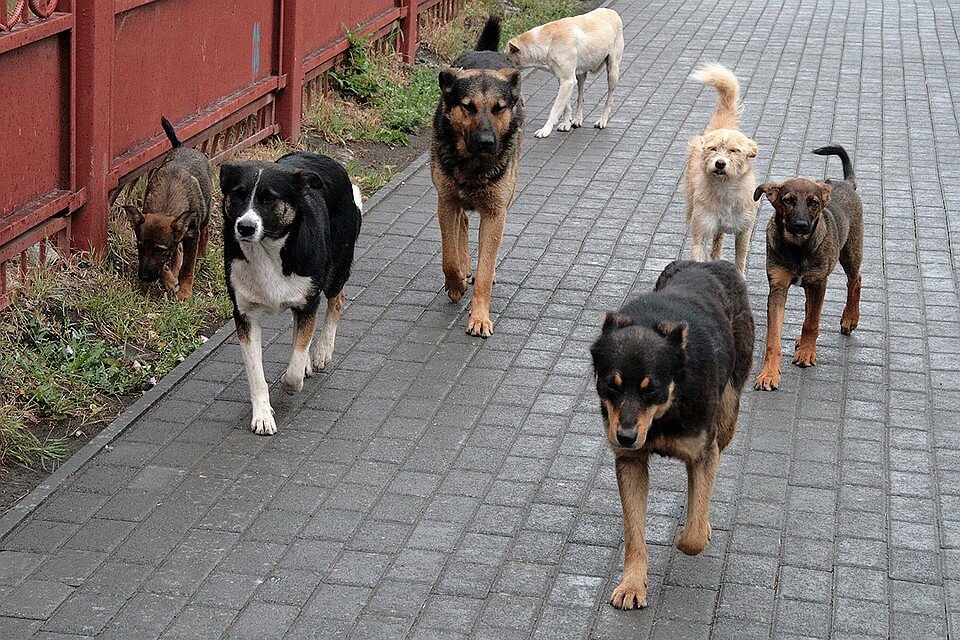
(289, 230)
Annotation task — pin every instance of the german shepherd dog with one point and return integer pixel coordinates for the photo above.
(289, 229)
(474, 160)
(815, 225)
(173, 226)
(670, 367)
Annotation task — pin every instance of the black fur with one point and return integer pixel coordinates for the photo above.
(837, 150)
(489, 39)
(171, 132)
(322, 232)
(695, 330)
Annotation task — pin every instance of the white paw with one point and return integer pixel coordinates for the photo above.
(291, 382)
(601, 123)
(543, 133)
(576, 123)
(564, 126)
(263, 424)
(322, 355)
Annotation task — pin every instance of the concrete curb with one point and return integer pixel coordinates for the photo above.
(29, 503)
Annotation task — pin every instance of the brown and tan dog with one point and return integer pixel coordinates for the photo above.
(173, 225)
(474, 160)
(815, 225)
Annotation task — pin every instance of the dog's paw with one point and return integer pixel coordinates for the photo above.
(768, 380)
(543, 133)
(576, 123)
(263, 424)
(848, 323)
(805, 356)
(601, 123)
(291, 383)
(693, 542)
(480, 326)
(630, 594)
(184, 293)
(564, 126)
(456, 289)
(322, 355)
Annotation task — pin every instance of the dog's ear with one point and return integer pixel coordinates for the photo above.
(614, 321)
(752, 150)
(231, 175)
(512, 49)
(306, 180)
(512, 76)
(448, 81)
(769, 189)
(134, 214)
(825, 190)
(675, 333)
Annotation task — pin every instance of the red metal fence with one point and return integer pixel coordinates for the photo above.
(83, 84)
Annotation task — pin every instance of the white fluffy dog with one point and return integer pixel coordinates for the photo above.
(571, 48)
(719, 179)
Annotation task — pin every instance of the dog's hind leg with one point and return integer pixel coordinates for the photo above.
(613, 77)
(633, 481)
(299, 368)
(204, 237)
(563, 98)
(323, 348)
(717, 250)
(701, 474)
(188, 268)
(248, 331)
(850, 258)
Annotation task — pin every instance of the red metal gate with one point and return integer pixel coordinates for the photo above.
(83, 84)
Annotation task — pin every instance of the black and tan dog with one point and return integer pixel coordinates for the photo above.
(173, 226)
(815, 225)
(474, 159)
(670, 367)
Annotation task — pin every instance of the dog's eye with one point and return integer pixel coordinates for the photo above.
(790, 200)
(470, 108)
(497, 109)
(813, 203)
(734, 150)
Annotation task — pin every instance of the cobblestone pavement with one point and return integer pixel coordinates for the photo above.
(440, 486)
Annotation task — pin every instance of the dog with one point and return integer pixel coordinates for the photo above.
(571, 48)
(815, 225)
(719, 179)
(174, 224)
(474, 161)
(670, 367)
(289, 230)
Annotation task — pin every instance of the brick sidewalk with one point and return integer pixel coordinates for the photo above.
(435, 485)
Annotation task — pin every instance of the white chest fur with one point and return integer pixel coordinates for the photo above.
(259, 284)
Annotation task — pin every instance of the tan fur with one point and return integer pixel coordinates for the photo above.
(633, 482)
(719, 204)
(571, 48)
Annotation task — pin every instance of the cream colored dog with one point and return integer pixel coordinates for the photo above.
(719, 180)
(569, 49)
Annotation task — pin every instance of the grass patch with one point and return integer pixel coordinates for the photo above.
(448, 40)
(377, 99)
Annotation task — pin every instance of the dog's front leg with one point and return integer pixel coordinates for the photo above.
(633, 483)
(449, 213)
(743, 250)
(806, 355)
(701, 474)
(780, 278)
(169, 274)
(703, 237)
(304, 321)
(323, 349)
(567, 85)
(188, 268)
(248, 330)
(491, 234)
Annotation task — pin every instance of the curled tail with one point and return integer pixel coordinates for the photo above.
(728, 95)
(171, 134)
(837, 150)
(490, 36)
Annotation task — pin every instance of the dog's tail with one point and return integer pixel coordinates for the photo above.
(837, 150)
(171, 134)
(490, 36)
(728, 95)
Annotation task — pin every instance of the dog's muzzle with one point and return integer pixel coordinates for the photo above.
(720, 167)
(248, 228)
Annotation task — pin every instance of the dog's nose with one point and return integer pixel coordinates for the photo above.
(799, 227)
(720, 164)
(487, 144)
(246, 228)
(626, 438)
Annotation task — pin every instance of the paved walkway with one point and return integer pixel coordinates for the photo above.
(438, 485)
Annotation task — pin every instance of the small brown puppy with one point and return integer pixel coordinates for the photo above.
(815, 225)
(474, 160)
(173, 226)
